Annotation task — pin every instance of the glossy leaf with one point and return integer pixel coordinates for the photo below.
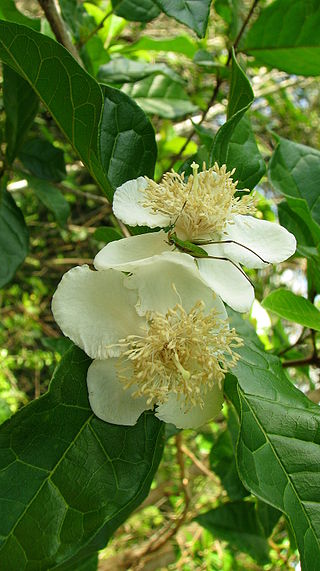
(286, 36)
(293, 307)
(51, 197)
(21, 106)
(43, 160)
(244, 155)
(278, 452)
(81, 476)
(295, 171)
(127, 143)
(142, 11)
(14, 238)
(192, 13)
(9, 12)
(121, 70)
(76, 100)
(161, 96)
(238, 524)
(240, 99)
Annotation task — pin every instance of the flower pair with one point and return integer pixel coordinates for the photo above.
(151, 317)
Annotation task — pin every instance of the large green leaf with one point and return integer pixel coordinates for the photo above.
(21, 106)
(293, 308)
(43, 159)
(51, 197)
(179, 44)
(240, 99)
(161, 96)
(295, 224)
(192, 13)
(75, 100)
(122, 69)
(68, 479)
(238, 524)
(278, 450)
(286, 36)
(142, 11)
(14, 238)
(127, 143)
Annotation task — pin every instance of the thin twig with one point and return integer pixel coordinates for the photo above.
(59, 28)
(81, 43)
(242, 29)
(311, 360)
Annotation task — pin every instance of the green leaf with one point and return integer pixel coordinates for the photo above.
(68, 479)
(286, 36)
(21, 106)
(75, 102)
(293, 307)
(295, 224)
(127, 143)
(192, 13)
(244, 155)
(107, 234)
(9, 12)
(121, 70)
(161, 96)
(180, 44)
(14, 238)
(267, 516)
(142, 11)
(240, 99)
(51, 197)
(238, 524)
(278, 452)
(43, 159)
(294, 171)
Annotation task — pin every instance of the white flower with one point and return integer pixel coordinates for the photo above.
(158, 337)
(201, 210)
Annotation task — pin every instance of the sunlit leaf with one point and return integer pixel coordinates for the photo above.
(293, 307)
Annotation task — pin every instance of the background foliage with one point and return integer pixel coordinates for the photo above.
(94, 94)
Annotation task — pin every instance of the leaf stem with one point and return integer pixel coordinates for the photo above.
(81, 43)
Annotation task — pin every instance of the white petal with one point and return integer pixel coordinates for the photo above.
(128, 206)
(269, 240)
(108, 399)
(95, 310)
(173, 411)
(124, 254)
(170, 279)
(226, 280)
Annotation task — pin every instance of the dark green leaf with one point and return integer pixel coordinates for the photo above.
(293, 307)
(127, 144)
(121, 70)
(238, 524)
(295, 224)
(14, 238)
(51, 197)
(231, 12)
(9, 12)
(68, 479)
(192, 13)
(43, 159)
(286, 36)
(21, 106)
(107, 234)
(179, 44)
(161, 96)
(267, 516)
(295, 172)
(244, 155)
(142, 11)
(240, 99)
(75, 101)
(279, 444)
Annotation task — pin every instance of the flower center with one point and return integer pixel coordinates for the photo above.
(201, 206)
(184, 353)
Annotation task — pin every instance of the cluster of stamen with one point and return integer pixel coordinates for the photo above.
(182, 353)
(200, 206)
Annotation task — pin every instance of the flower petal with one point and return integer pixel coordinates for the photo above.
(108, 399)
(173, 410)
(95, 310)
(226, 280)
(128, 206)
(269, 240)
(170, 279)
(124, 254)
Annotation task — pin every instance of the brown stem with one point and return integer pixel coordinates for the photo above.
(311, 360)
(58, 27)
